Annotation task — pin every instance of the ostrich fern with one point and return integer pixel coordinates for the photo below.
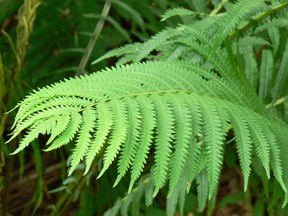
(179, 105)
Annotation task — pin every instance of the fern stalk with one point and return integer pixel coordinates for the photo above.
(258, 19)
(87, 53)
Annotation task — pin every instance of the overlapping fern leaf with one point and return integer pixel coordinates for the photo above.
(128, 109)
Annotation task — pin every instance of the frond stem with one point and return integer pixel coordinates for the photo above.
(277, 102)
(258, 19)
(93, 39)
(218, 8)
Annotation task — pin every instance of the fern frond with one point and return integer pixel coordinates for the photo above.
(260, 141)
(231, 19)
(164, 138)
(103, 124)
(282, 77)
(44, 114)
(266, 74)
(126, 49)
(237, 83)
(38, 128)
(252, 41)
(182, 135)
(276, 161)
(213, 140)
(118, 134)
(69, 132)
(250, 69)
(274, 34)
(154, 42)
(179, 11)
(202, 189)
(145, 139)
(61, 125)
(172, 201)
(179, 111)
(173, 53)
(280, 22)
(131, 143)
(243, 143)
(84, 137)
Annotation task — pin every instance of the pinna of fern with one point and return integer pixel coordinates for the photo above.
(129, 110)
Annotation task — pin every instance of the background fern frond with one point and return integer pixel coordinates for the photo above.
(231, 19)
(266, 74)
(177, 12)
(202, 189)
(281, 77)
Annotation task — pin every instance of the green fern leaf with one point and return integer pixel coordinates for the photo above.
(164, 137)
(40, 127)
(276, 161)
(230, 20)
(202, 189)
(179, 111)
(145, 138)
(151, 44)
(84, 137)
(68, 134)
(182, 136)
(61, 125)
(282, 77)
(243, 143)
(118, 134)
(45, 114)
(103, 124)
(177, 12)
(182, 193)
(266, 74)
(195, 164)
(131, 143)
(172, 201)
(251, 71)
(213, 139)
(260, 141)
(274, 34)
(126, 49)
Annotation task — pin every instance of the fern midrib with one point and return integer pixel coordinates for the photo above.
(258, 19)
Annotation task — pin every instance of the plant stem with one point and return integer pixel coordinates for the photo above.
(66, 199)
(277, 102)
(93, 39)
(218, 8)
(247, 202)
(258, 19)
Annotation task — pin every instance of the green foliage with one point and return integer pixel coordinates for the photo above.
(172, 102)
